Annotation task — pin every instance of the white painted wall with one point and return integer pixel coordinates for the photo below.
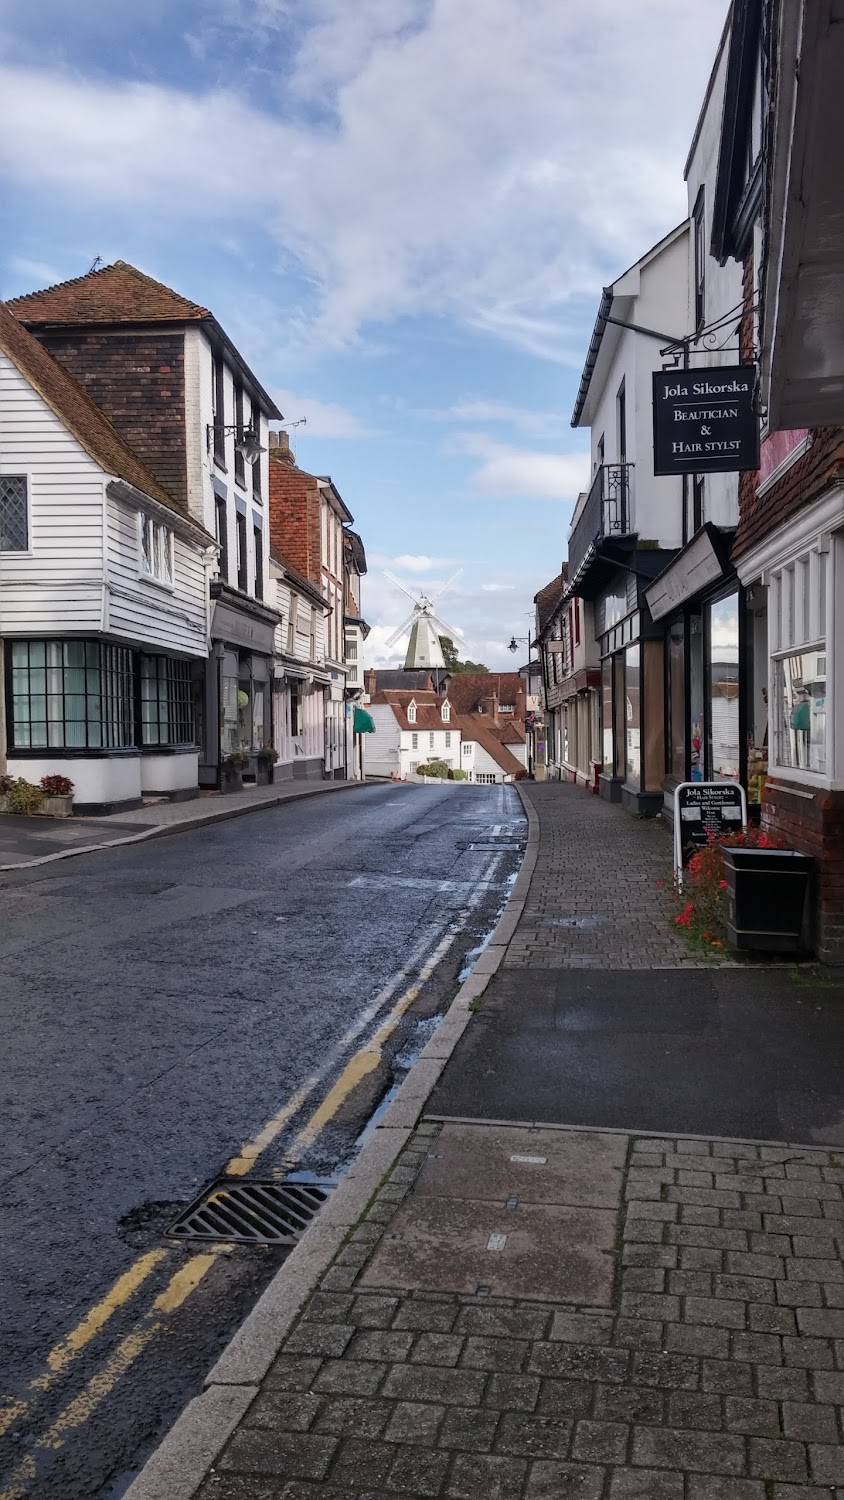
(171, 618)
(169, 773)
(100, 779)
(57, 586)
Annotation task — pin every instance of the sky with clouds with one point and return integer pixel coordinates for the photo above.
(402, 211)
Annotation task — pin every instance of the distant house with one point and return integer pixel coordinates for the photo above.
(413, 728)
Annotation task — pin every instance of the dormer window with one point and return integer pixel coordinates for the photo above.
(411, 712)
(446, 713)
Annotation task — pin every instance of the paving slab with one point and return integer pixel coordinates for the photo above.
(533, 1251)
(537, 1166)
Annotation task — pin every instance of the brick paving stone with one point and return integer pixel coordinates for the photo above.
(781, 1460)
(555, 1481)
(565, 1398)
(815, 1354)
(491, 1322)
(414, 1422)
(353, 1416)
(695, 1409)
(292, 1372)
(296, 1455)
(432, 1383)
(765, 1319)
(715, 1312)
(782, 1384)
(469, 1428)
(283, 1410)
(380, 1344)
(758, 1418)
(507, 1355)
(513, 1392)
(416, 1471)
(639, 1279)
(437, 1349)
(711, 1487)
(630, 1404)
(649, 1255)
(530, 1435)
(700, 1258)
(829, 1386)
(582, 1328)
(809, 1421)
(361, 1464)
(727, 1377)
(579, 1362)
(234, 1487)
(670, 1448)
(319, 1338)
(372, 1312)
(646, 1484)
(492, 1477)
(799, 1294)
(637, 1333)
(601, 1442)
(693, 1338)
(827, 1463)
(328, 1307)
(433, 1317)
(668, 1370)
(645, 1305)
(344, 1377)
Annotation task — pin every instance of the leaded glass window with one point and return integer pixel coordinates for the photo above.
(14, 519)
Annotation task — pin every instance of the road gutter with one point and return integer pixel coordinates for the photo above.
(180, 1464)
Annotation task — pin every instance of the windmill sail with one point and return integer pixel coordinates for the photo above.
(426, 627)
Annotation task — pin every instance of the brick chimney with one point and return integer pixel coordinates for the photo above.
(279, 445)
(371, 681)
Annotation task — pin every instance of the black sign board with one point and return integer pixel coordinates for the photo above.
(704, 422)
(702, 808)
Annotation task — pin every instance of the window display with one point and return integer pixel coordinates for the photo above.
(800, 709)
(632, 712)
(677, 699)
(723, 687)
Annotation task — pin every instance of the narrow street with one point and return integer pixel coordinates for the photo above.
(188, 1008)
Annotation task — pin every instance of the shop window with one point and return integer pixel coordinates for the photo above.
(606, 716)
(229, 728)
(632, 718)
(259, 734)
(619, 716)
(756, 691)
(798, 669)
(652, 716)
(296, 717)
(166, 702)
(156, 550)
(677, 699)
(722, 672)
(14, 513)
(71, 695)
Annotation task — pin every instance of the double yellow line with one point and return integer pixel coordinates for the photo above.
(77, 1411)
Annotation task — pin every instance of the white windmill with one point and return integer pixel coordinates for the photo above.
(425, 626)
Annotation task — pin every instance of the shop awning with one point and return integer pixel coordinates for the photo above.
(362, 722)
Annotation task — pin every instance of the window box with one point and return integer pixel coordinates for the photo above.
(766, 898)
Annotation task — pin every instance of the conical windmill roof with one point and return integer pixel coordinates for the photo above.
(424, 649)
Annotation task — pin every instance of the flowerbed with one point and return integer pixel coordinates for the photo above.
(701, 904)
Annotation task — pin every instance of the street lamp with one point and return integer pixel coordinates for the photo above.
(247, 442)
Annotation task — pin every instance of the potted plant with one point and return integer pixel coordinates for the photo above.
(57, 792)
(22, 797)
(266, 758)
(6, 782)
(232, 770)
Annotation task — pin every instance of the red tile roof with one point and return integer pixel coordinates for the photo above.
(115, 294)
(467, 689)
(549, 598)
(477, 727)
(75, 409)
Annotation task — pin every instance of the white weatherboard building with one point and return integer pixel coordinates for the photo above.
(413, 728)
(301, 678)
(103, 595)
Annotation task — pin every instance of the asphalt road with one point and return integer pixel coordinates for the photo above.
(177, 1009)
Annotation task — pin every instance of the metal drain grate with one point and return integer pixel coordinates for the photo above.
(252, 1213)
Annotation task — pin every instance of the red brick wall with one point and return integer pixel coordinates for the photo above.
(295, 516)
(138, 381)
(813, 822)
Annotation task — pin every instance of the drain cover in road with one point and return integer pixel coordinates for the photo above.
(252, 1213)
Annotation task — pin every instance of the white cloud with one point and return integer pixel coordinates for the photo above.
(496, 588)
(38, 271)
(323, 419)
(536, 424)
(506, 470)
(492, 159)
(411, 562)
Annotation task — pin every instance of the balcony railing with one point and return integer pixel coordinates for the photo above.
(605, 514)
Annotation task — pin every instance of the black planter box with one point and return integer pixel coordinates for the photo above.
(264, 771)
(766, 898)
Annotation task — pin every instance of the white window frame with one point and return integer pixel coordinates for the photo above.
(162, 540)
(411, 713)
(27, 478)
(799, 625)
(448, 739)
(446, 713)
(467, 747)
(414, 741)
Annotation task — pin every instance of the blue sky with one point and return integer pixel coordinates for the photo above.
(403, 212)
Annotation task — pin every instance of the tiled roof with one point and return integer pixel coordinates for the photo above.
(467, 689)
(549, 598)
(478, 727)
(401, 678)
(428, 708)
(75, 409)
(115, 294)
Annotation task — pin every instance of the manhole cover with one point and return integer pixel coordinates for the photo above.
(252, 1213)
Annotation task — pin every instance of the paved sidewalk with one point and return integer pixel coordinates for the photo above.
(495, 1309)
(33, 841)
(713, 1369)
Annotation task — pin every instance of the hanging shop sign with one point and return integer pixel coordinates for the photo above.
(703, 809)
(704, 421)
